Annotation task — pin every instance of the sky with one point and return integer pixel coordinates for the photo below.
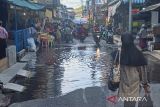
(72, 3)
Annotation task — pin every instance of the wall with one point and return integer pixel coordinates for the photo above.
(3, 12)
(3, 64)
(10, 59)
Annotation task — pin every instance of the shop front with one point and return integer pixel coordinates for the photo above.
(3, 18)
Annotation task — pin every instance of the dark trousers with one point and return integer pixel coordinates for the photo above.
(3, 46)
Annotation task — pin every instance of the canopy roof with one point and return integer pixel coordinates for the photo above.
(106, 5)
(150, 8)
(26, 4)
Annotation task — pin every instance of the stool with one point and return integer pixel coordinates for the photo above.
(44, 41)
(51, 41)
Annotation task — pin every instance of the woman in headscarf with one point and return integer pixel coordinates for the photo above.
(133, 70)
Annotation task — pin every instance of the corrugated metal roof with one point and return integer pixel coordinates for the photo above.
(26, 4)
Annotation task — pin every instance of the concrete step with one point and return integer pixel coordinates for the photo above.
(153, 54)
(29, 56)
(14, 87)
(7, 75)
(24, 73)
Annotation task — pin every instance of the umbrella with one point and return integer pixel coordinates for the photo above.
(80, 21)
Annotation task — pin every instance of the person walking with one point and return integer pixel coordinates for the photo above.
(142, 36)
(68, 31)
(133, 71)
(58, 35)
(3, 41)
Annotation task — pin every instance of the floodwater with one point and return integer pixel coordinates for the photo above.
(66, 68)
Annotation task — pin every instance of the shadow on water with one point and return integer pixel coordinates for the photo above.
(64, 69)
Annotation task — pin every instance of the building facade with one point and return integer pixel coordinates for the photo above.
(4, 12)
(151, 2)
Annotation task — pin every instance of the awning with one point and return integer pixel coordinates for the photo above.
(135, 1)
(105, 6)
(112, 9)
(150, 8)
(113, 2)
(26, 4)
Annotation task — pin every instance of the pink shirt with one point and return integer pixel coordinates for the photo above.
(3, 33)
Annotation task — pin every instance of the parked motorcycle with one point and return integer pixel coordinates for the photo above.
(104, 35)
(82, 38)
(97, 38)
(109, 38)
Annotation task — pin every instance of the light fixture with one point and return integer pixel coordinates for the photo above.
(24, 13)
(11, 6)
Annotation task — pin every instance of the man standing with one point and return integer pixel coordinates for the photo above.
(3, 42)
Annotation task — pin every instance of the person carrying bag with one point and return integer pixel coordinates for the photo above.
(133, 71)
(114, 77)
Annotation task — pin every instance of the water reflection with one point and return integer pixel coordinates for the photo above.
(67, 69)
(82, 70)
(97, 53)
(62, 70)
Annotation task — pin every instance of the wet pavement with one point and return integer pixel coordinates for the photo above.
(65, 68)
(73, 68)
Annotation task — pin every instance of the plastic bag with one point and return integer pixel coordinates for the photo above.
(32, 45)
(114, 77)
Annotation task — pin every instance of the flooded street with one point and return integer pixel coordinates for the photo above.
(66, 68)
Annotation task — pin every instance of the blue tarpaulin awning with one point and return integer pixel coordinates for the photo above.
(26, 4)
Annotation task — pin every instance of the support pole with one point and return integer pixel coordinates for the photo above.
(93, 9)
(130, 16)
(82, 7)
(15, 13)
(88, 10)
